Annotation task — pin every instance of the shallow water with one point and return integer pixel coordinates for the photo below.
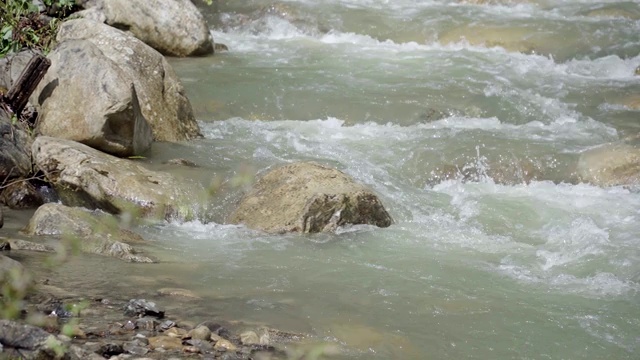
(497, 265)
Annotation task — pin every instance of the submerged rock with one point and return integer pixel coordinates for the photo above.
(95, 231)
(308, 198)
(86, 177)
(611, 164)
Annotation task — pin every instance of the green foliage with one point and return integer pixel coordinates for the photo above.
(24, 27)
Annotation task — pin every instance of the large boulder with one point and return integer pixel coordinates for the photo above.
(86, 177)
(95, 231)
(611, 164)
(21, 341)
(173, 27)
(160, 93)
(11, 67)
(15, 149)
(111, 121)
(308, 197)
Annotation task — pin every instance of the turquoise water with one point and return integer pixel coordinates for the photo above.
(467, 120)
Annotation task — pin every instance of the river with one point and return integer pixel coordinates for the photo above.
(467, 119)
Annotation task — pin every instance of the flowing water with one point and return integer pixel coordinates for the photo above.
(467, 120)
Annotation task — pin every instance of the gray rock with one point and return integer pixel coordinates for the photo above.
(173, 27)
(161, 95)
(27, 341)
(86, 177)
(15, 149)
(18, 244)
(95, 231)
(201, 333)
(142, 307)
(11, 268)
(308, 198)
(111, 122)
(611, 164)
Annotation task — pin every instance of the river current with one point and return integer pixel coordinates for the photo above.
(467, 119)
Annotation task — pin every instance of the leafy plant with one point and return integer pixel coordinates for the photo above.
(24, 26)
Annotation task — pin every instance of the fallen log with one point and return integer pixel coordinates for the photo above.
(20, 92)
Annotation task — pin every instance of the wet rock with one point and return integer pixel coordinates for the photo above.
(220, 47)
(176, 292)
(202, 345)
(308, 198)
(182, 162)
(145, 323)
(27, 342)
(112, 121)
(611, 165)
(173, 27)
(162, 97)
(94, 231)
(216, 329)
(110, 349)
(5, 245)
(86, 177)
(637, 72)
(249, 338)
(224, 345)
(21, 195)
(167, 324)
(142, 307)
(18, 244)
(1, 218)
(165, 342)
(15, 150)
(135, 347)
(179, 333)
(200, 333)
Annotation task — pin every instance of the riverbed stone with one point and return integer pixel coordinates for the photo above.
(611, 164)
(173, 27)
(308, 197)
(165, 342)
(201, 333)
(95, 231)
(162, 97)
(85, 177)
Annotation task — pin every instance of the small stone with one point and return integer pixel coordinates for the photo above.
(165, 342)
(637, 72)
(110, 349)
(224, 345)
(204, 346)
(191, 349)
(201, 333)
(147, 323)
(249, 338)
(167, 324)
(176, 333)
(177, 292)
(129, 325)
(135, 347)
